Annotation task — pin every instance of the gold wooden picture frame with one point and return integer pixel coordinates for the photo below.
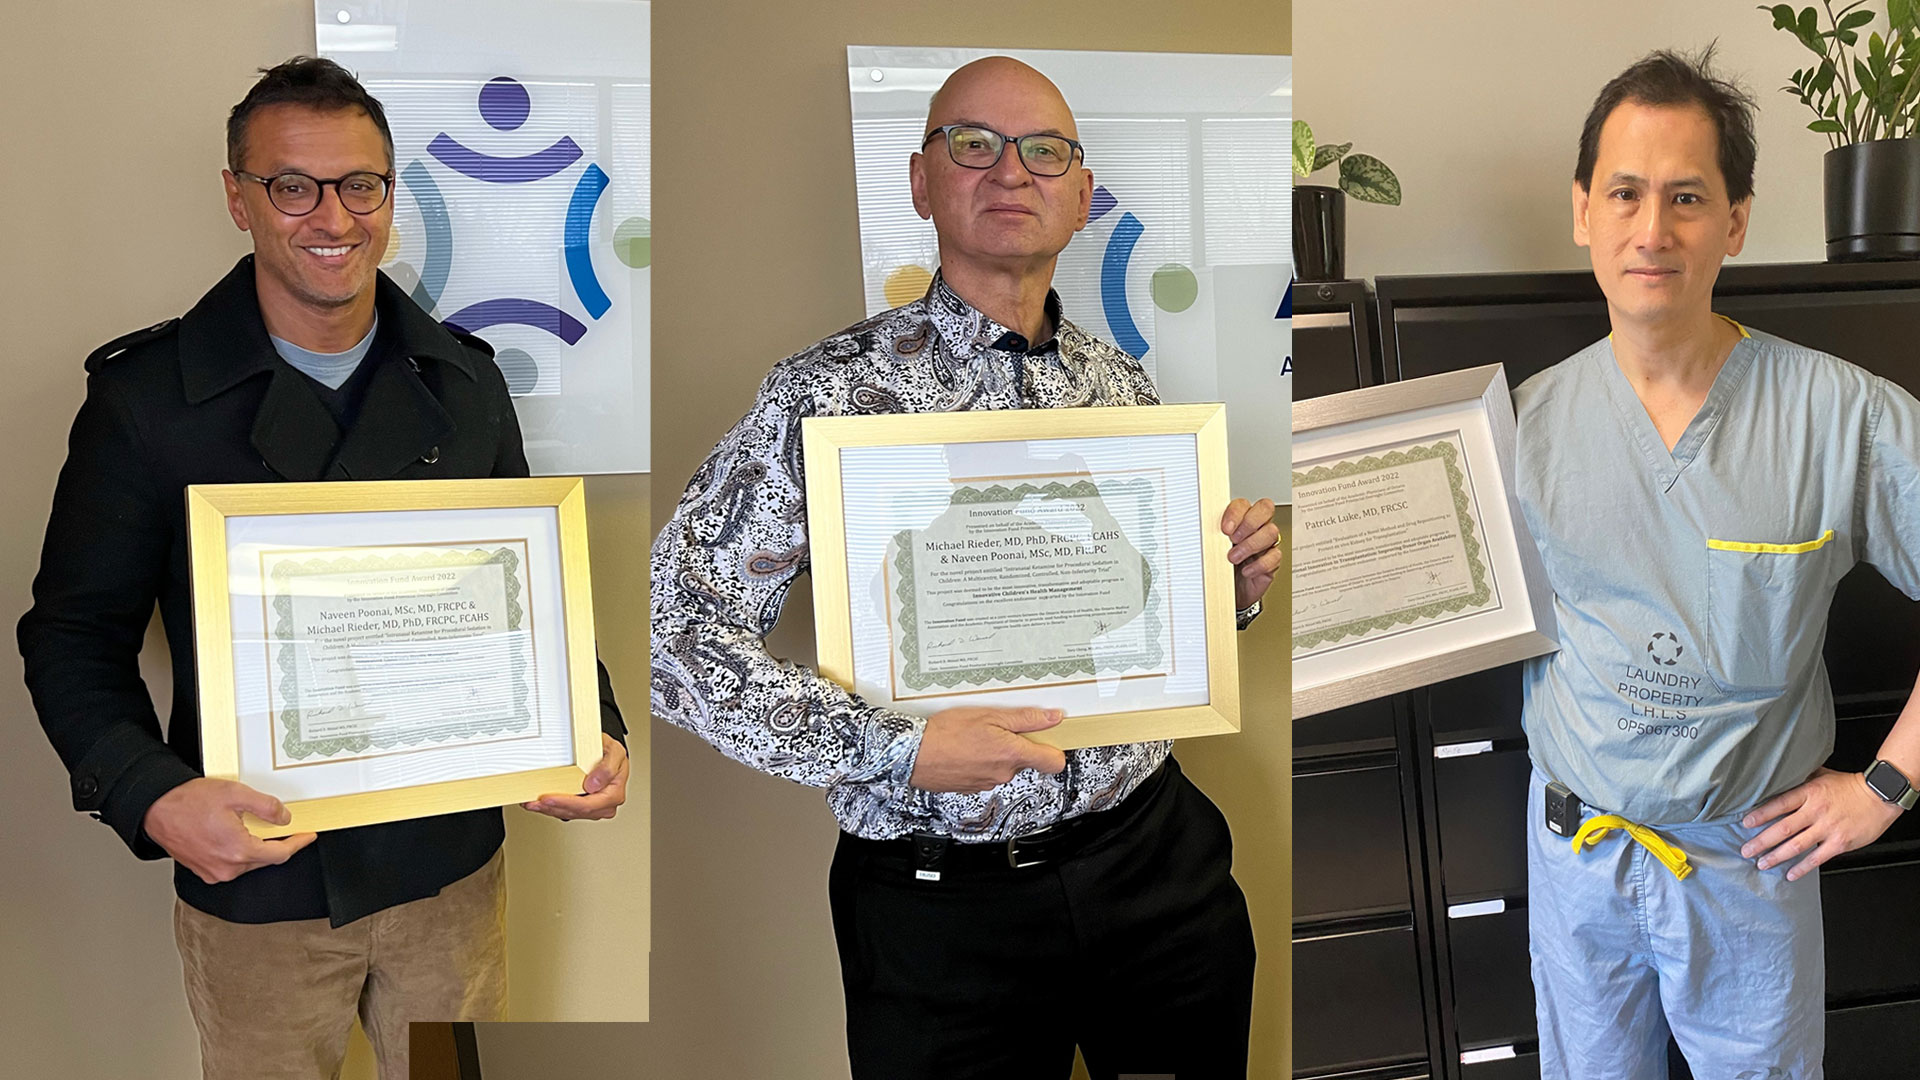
(209, 510)
(827, 439)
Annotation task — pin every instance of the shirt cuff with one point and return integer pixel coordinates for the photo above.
(903, 753)
(1244, 617)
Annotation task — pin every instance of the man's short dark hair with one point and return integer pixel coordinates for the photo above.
(310, 82)
(1670, 78)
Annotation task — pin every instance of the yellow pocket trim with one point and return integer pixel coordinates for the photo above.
(1771, 549)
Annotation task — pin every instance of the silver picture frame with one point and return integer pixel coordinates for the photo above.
(1422, 653)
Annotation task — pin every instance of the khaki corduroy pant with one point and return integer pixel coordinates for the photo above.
(275, 1001)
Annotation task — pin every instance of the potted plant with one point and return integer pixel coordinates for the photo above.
(1320, 213)
(1867, 104)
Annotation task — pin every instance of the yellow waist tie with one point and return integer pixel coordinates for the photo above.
(1596, 829)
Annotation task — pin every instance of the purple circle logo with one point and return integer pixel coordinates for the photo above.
(504, 103)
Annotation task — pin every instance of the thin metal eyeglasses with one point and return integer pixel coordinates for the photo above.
(975, 147)
(297, 194)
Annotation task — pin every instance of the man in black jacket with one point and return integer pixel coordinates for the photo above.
(304, 363)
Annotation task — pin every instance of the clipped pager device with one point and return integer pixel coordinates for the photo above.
(1563, 809)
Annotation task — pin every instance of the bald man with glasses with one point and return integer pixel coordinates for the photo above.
(996, 902)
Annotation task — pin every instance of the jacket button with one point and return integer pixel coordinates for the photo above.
(86, 787)
(431, 456)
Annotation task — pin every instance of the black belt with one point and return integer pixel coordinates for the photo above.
(931, 857)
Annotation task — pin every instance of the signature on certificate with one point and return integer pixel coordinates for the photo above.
(965, 639)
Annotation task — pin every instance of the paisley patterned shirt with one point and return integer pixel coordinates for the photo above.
(738, 540)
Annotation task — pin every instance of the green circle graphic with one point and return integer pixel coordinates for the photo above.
(1174, 288)
(633, 242)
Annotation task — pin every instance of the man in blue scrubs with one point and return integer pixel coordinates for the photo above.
(1697, 490)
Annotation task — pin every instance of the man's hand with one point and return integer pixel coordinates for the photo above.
(198, 823)
(605, 787)
(1832, 813)
(1256, 549)
(973, 749)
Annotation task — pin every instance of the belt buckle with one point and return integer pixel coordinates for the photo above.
(1038, 838)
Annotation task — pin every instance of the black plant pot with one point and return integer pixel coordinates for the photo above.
(1319, 233)
(1873, 201)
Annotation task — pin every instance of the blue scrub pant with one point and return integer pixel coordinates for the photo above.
(1731, 960)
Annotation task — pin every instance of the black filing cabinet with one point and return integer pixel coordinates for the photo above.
(1362, 952)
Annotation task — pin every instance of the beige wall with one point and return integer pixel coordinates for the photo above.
(746, 983)
(1478, 108)
(757, 244)
(113, 220)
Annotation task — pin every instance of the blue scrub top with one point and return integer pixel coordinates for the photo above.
(1692, 587)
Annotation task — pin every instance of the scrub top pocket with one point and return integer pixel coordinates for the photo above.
(1765, 602)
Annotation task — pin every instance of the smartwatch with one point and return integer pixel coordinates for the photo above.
(1891, 785)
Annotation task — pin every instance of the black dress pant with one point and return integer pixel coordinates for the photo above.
(1136, 947)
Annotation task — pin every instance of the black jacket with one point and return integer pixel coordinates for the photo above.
(204, 399)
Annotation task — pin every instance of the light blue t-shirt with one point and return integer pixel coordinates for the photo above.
(330, 370)
(1692, 587)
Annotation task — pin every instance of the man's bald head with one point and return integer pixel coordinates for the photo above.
(973, 92)
(1003, 220)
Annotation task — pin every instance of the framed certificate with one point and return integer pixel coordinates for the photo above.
(369, 652)
(1411, 563)
(1061, 558)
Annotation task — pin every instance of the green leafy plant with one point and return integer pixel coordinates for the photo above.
(1855, 98)
(1362, 176)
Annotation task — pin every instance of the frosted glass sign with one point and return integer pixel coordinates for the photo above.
(1186, 260)
(523, 209)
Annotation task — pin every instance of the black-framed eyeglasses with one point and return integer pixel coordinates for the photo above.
(975, 147)
(297, 194)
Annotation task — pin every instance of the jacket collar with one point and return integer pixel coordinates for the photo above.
(966, 329)
(223, 339)
(223, 342)
(400, 422)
